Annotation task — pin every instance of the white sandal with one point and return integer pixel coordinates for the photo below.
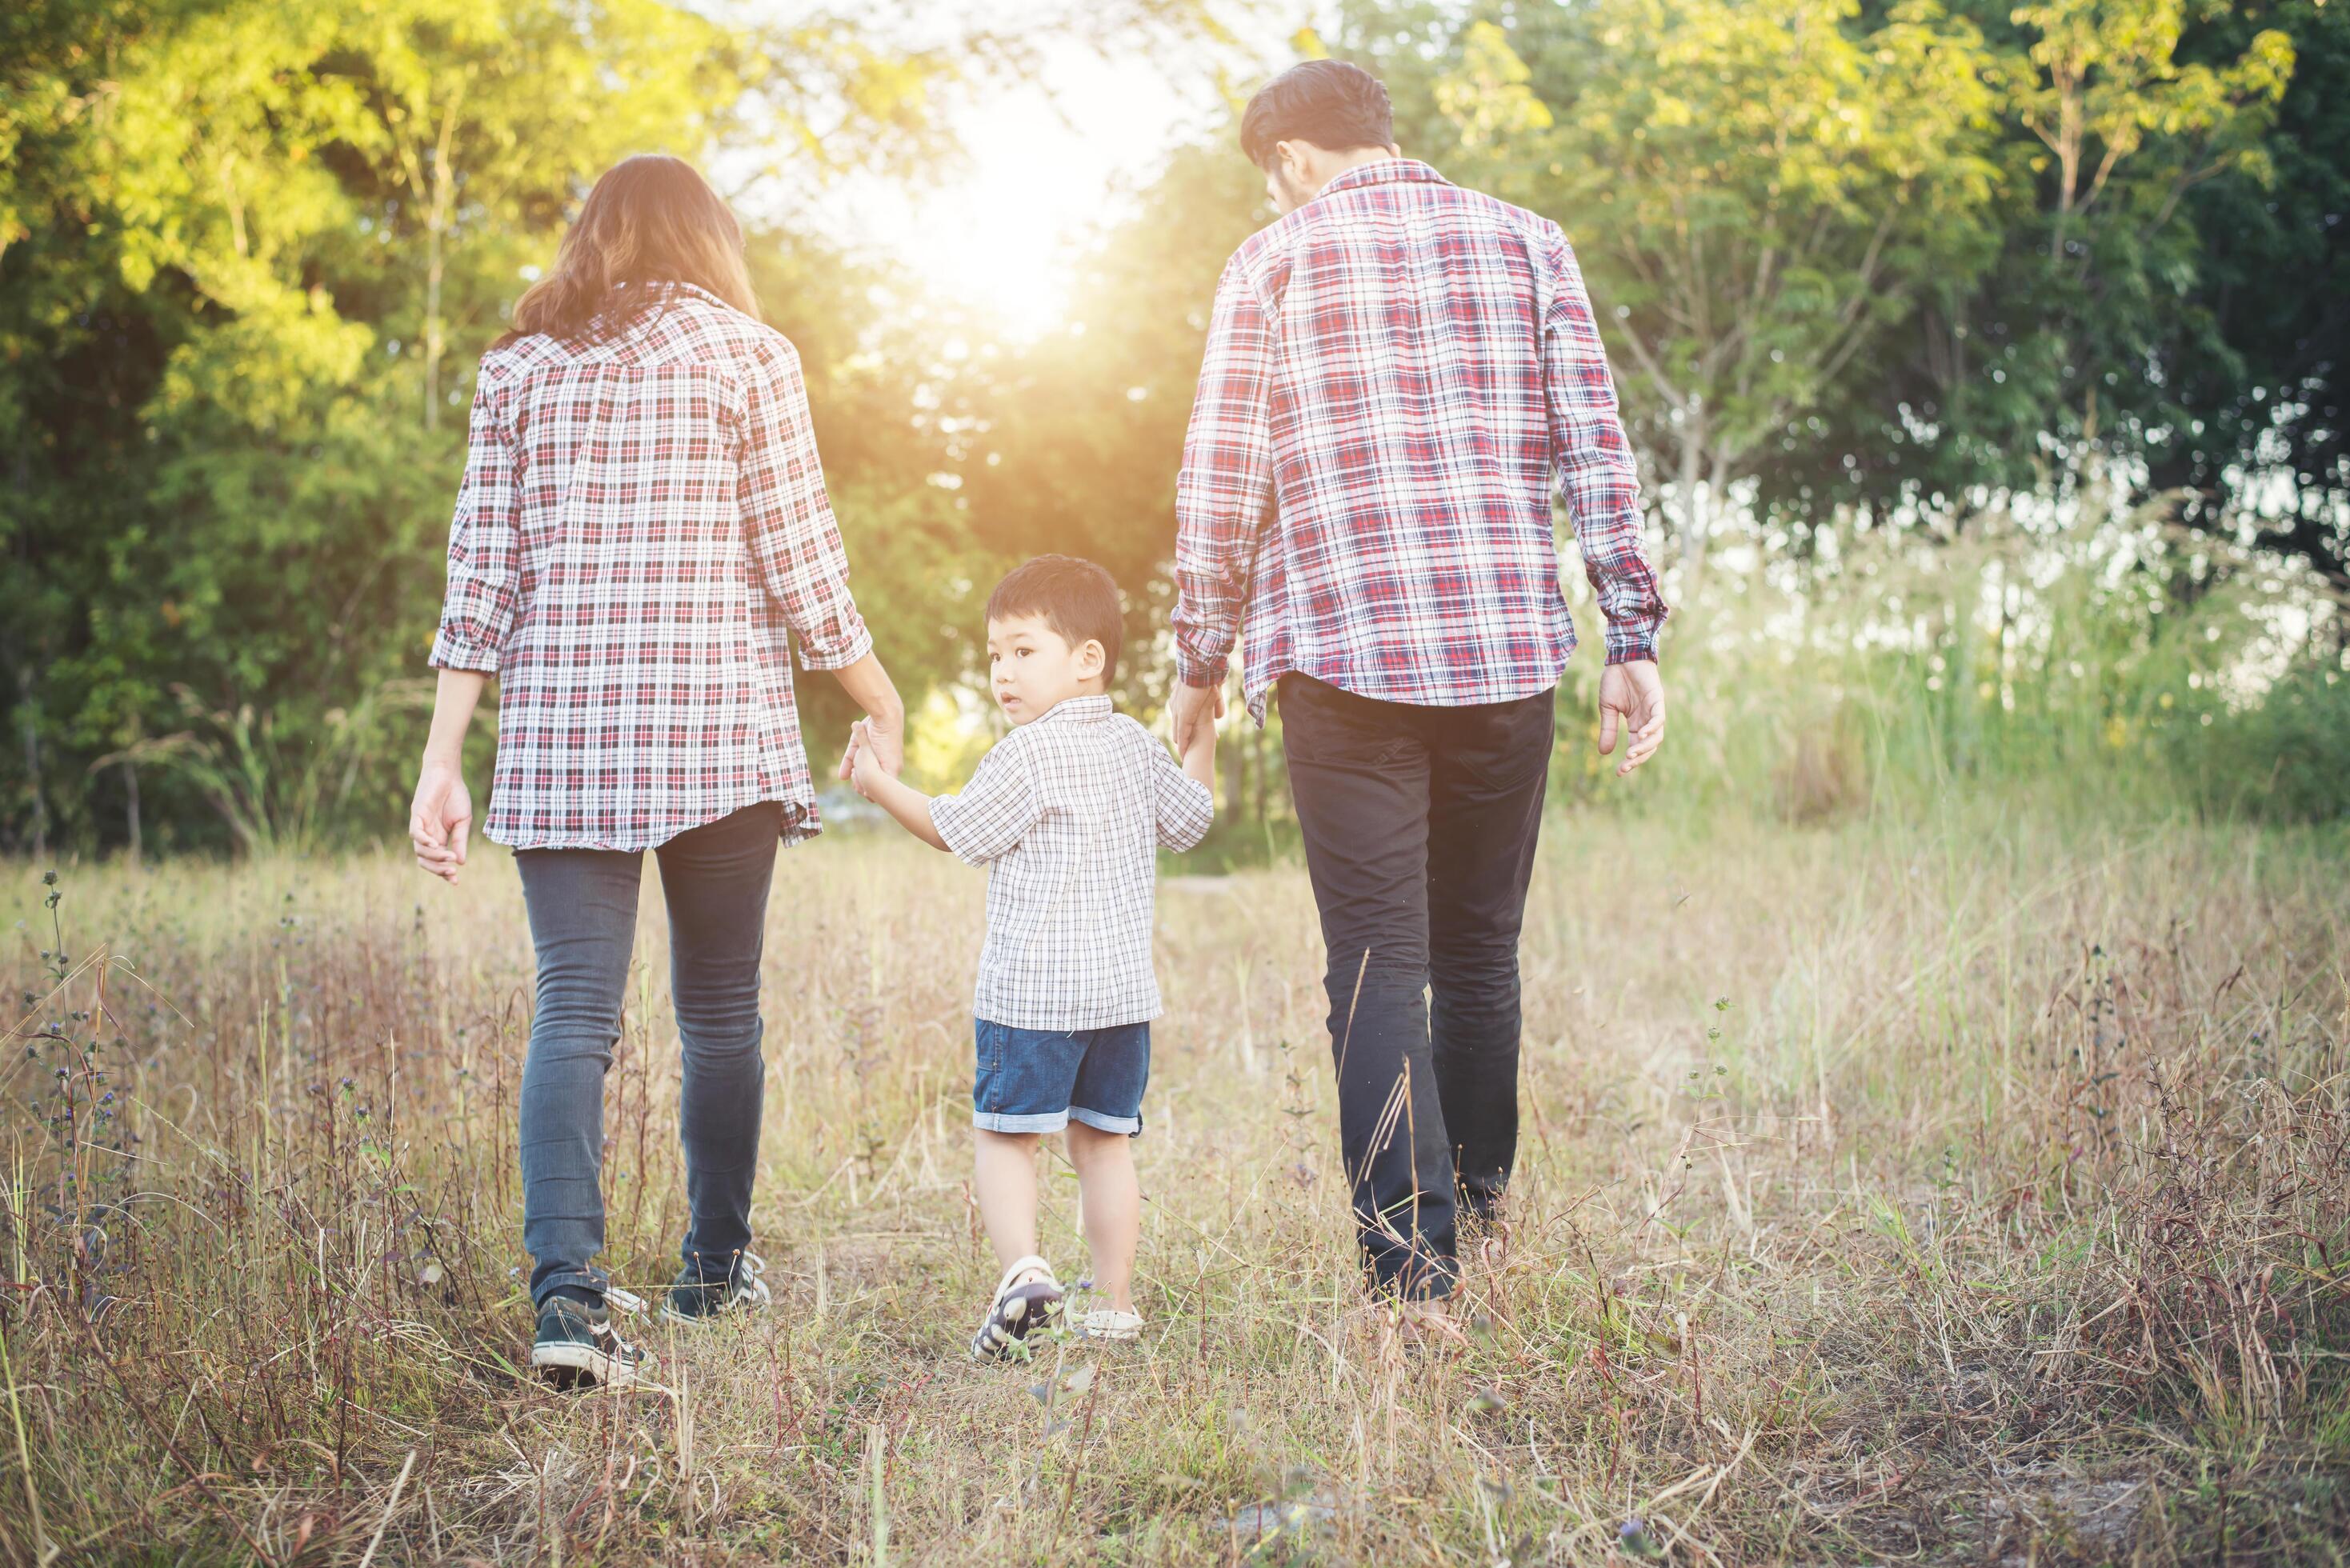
(1104, 1322)
(1028, 1295)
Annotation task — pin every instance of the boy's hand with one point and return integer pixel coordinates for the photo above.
(1200, 743)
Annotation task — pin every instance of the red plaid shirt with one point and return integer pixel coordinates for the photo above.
(642, 532)
(1395, 373)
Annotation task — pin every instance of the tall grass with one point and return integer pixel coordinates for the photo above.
(1972, 1188)
(2089, 659)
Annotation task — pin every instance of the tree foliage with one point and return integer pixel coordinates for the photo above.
(1863, 263)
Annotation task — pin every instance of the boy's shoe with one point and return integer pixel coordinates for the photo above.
(578, 1344)
(696, 1300)
(1102, 1323)
(1026, 1299)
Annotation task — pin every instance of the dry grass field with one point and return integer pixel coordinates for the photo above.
(1967, 1193)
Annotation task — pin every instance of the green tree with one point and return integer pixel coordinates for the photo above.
(1759, 194)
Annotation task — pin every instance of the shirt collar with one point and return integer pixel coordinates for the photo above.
(668, 288)
(1077, 709)
(1387, 170)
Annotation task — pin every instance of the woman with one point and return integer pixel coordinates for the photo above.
(641, 534)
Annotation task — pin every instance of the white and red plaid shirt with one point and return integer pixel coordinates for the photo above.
(1396, 374)
(642, 532)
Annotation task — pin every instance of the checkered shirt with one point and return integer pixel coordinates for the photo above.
(642, 532)
(1067, 813)
(1396, 375)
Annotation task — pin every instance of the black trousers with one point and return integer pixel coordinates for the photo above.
(1420, 827)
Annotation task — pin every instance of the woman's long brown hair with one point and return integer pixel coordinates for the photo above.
(649, 219)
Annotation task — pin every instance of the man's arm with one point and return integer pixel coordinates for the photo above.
(1596, 472)
(1602, 489)
(1222, 495)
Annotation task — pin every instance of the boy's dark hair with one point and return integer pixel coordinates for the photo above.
(1077, 598)
(1336, 107)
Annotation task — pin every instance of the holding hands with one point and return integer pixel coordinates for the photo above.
(864, 762)
(1195, 709)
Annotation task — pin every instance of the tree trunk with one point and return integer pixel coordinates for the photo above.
(436, 227)
(1256, 759)
(1696, 507)
(1235, 777)
(131, 788)
(29, 722)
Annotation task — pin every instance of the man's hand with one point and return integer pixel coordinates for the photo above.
(439, 819)
(1191, 707)
(1632, 695)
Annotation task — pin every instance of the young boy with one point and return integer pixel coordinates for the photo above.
(1068, 812)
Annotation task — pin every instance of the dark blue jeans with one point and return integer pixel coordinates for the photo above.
(583, 921)
(1420, 827)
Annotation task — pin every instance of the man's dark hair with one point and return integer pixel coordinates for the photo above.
(1336, 107)
(1077, 598)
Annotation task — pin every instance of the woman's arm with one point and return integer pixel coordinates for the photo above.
(869, 686)
(441, 817)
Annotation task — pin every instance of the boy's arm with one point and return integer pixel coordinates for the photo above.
(1199, 756)
(910, 805)
(1186, 795)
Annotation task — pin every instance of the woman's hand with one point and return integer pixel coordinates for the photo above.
(884, 724)
(439, 819)
(884, 744)
(864, 759)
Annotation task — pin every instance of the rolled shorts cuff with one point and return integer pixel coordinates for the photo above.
(1130, 1126)
(998, 1122)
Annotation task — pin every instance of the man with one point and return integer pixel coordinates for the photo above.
(1396, 370)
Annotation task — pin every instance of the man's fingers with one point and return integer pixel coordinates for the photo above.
(1607, 721)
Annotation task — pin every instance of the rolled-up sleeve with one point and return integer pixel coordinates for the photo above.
(1224, 489)
(787, 518)
(1596, 475)
(484, 568)
(995, 811)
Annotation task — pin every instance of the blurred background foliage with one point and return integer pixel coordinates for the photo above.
(1985, 361)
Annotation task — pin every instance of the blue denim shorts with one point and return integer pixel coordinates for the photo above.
(1037, 1080)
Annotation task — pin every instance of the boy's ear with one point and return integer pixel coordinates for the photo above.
(1093, 659)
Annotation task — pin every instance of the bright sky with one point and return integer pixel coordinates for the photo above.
(1052, 162)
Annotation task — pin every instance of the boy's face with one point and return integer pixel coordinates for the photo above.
(1033, 667)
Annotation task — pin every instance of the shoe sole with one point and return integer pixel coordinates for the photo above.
(570, 1366)
(1016, 1313)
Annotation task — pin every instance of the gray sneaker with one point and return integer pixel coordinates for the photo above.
(696, 1300)
(578, 1345)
